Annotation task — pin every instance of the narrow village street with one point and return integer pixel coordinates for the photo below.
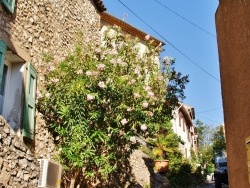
(210, 184)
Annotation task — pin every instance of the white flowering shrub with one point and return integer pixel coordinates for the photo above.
(101, 98)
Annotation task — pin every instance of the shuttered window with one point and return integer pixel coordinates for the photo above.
(9, 4)
(2, 57)
(29, 103)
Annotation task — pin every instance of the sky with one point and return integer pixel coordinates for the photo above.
(188, 30)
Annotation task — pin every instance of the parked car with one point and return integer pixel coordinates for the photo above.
(220, 173)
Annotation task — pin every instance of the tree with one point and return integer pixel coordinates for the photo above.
(206, 156)
(219, 144)
(101, 97)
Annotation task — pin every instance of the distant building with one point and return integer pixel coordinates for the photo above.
(183, 126)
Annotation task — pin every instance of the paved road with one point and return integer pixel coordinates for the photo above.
(210, 184)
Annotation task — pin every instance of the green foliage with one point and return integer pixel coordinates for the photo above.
(219, 144)
(165, 145)
(100, 98)
(206, 154)
(185, 175)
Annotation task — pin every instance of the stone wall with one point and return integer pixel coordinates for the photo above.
(18, 166)
(40, 27)
(49, 27)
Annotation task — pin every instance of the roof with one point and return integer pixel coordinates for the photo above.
(99, 5)
(188, 113)
(127, 28)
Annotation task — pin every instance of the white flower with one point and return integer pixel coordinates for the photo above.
(124, 64)
(112, 61)
(79, 71)
(145, 104)
(137, 95)
(143, 127)
(38, 94)
(137, 71)
(51, 68)
(101, 66)
(147, 88)
(132, 81)
(88, 73)
(124, 121)
(147, 37)
(160, 77)
(129, 109)
(101, 85)
(55, 80)
(121, 132)
(94, 73)
(47, 95)
(119, 61)
(150, 113)
(150, 94)
(60, 149)
(90, 97)
(98, 50)
(132, 139)
(109, 80)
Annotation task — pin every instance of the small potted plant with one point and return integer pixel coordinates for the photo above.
(162, 147)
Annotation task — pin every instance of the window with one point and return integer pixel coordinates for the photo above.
(180, 119)
(18, 111)
(9, 4)
(184, 124)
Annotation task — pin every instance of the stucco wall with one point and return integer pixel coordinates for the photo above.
(233, 31)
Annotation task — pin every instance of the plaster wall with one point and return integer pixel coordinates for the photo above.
(233, 34)
(178, 123)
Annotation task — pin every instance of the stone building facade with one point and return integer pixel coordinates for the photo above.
(29, 32)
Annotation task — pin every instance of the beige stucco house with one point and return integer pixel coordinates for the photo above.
(30, 31)
(182, 123)
(107, 20)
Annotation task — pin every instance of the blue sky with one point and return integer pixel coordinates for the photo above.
(203, 92)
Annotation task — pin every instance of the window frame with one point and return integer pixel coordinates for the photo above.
(9, 5)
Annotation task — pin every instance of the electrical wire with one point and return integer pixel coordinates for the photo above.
(209, 119)
(196, 64)
(195, 25)
(208, 110)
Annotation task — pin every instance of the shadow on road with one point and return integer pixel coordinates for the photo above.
(210, 184)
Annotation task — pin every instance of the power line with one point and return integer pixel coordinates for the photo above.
(170, 43)
(209, 119)
(185, 19)
(208, 110)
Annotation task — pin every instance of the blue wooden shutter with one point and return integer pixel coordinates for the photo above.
(2, 57)
(28, 128)
(9, 4)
